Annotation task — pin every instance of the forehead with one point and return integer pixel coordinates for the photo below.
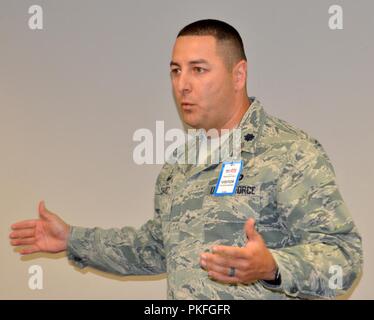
(194, 47)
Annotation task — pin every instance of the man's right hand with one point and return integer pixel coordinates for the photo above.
(49, 233)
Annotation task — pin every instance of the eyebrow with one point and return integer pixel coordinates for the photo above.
(192, 62)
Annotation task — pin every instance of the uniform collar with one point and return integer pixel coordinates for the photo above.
(251, 125)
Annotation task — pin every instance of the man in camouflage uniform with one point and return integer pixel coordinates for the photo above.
(281, 235)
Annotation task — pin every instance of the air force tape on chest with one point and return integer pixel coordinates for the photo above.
(228, 178)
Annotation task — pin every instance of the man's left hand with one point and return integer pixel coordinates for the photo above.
(252, 262)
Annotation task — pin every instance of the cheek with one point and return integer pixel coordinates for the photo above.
(216, 94)
(212, 87)
(209, 91)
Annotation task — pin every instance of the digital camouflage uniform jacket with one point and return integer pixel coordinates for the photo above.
(287, 185)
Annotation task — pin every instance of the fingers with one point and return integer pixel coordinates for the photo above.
(41, 207)
(43, 212)
(221, 263)
(22, 237)
(231, 252)
(29, 250)
(29, 242)
(218, 267)
(22, 241)
(214, 269)
(24, 224)
(223, 278)
(218, 264)
(22, 233)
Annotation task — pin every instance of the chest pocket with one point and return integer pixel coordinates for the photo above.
(226, 215)
(225, 218)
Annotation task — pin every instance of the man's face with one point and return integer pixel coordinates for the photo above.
(202, 84)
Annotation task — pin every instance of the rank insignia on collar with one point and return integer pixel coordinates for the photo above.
(249, 137)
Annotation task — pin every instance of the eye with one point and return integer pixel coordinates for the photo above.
(174, 71)
(199, 69)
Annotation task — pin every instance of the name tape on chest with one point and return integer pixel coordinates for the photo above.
(228, 178)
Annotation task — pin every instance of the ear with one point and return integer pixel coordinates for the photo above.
(240, 75)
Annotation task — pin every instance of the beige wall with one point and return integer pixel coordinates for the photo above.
(72, 95)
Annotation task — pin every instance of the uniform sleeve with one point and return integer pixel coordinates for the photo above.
(326, 254)
(125, 251)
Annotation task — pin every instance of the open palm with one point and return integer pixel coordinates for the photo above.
(49, 233)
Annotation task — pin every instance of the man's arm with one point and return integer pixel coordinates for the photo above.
(124, 251)
(326, 239)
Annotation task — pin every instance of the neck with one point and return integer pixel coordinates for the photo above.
(240, 108)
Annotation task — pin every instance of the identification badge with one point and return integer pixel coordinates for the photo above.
(228, 178)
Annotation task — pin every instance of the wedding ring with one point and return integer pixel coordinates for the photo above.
(232, 272)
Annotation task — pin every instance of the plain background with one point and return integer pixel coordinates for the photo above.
(73, 94)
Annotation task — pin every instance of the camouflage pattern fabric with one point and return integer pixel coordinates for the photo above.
(287, 185)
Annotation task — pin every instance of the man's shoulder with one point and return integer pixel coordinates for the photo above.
(165, 174)
(277, 131)
(279, 134)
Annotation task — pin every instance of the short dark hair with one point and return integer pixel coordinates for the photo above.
(226, 35)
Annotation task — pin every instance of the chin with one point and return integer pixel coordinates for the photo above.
(192, 124)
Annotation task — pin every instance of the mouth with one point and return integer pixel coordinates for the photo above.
(187, 105)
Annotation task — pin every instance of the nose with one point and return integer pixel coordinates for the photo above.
(183, 83)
